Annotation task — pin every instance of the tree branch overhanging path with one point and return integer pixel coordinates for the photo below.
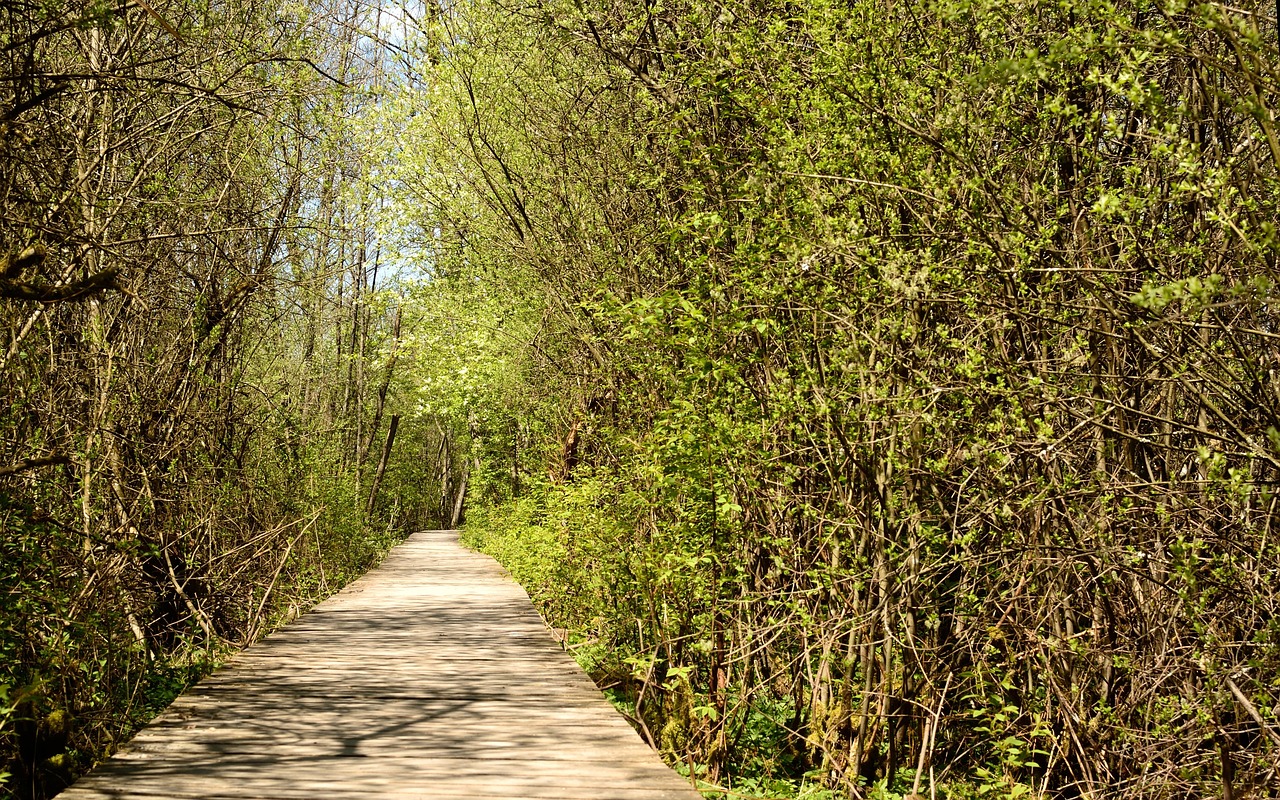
(432, 676)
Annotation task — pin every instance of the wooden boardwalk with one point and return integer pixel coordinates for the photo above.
(430, 677)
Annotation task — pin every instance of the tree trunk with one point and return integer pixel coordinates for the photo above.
(382, 463)
(456, 516)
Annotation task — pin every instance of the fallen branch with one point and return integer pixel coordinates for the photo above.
(76, 290)
(32, 463)
(1252, 711)
(15, 265)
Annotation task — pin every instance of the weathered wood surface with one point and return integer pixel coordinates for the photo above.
(430, 677)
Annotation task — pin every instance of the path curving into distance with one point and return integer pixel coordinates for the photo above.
(430, 677)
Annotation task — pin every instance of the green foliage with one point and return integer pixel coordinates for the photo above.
(902, 375)
(190, 441)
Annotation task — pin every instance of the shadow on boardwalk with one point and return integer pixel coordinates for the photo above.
(430, 677)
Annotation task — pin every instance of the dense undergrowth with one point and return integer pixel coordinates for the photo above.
(898, 399)
(198, 355)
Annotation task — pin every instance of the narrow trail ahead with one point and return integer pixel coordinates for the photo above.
(430, 677)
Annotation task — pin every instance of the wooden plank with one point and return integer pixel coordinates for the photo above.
(430, 677)
(486, 791)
